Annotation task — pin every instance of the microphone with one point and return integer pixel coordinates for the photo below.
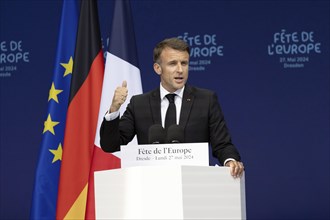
(175, 134)
(156, 134)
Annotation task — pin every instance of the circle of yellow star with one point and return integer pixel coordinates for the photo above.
(68, 67)
(57, 153)
(53, 92)
(49, 125)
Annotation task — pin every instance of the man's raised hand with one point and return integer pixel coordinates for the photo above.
(119, 97)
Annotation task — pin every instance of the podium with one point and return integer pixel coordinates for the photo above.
(169, 192)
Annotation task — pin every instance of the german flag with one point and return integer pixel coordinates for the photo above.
(82, 115)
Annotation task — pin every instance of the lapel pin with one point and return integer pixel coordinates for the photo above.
(188, 100)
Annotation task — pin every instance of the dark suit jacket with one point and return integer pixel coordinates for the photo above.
(201, 118)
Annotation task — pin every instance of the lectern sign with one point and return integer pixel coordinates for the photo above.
(165, 154)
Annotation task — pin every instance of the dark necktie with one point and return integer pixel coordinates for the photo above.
(170, 117)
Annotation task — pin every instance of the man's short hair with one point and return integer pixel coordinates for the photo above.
(174, 43)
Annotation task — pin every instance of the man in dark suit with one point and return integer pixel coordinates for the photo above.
(197, 110)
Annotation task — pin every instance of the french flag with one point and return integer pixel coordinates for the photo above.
(121, 64)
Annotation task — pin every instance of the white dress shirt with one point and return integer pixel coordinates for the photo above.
(164, 103)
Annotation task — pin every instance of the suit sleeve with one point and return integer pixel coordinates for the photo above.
(110, 136)
(118, 132)
(222, 146)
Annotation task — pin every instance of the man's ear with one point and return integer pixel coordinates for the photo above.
(157, 68)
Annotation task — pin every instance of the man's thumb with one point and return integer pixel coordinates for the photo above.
(124, 84)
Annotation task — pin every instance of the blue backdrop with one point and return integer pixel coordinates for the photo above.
(267, 60)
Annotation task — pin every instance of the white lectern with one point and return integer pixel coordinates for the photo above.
(169, 192)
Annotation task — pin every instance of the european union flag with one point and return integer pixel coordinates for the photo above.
(48, 167)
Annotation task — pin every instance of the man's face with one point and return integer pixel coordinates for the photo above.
(173, 69)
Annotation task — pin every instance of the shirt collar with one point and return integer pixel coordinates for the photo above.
(164, 92)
